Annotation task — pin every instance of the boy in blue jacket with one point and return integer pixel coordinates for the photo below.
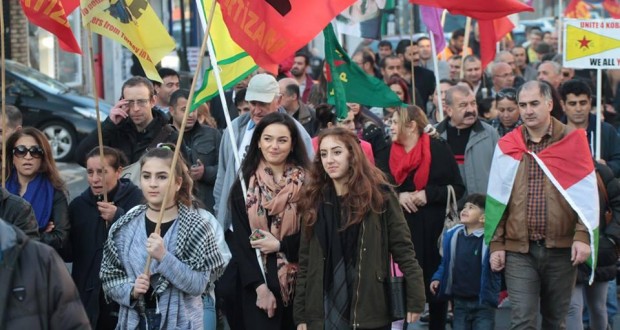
(464, 274)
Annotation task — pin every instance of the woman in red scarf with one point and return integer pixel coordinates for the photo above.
(267, 220)
(422, 166)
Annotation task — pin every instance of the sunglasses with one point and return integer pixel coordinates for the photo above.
(506, 94)
(21, 151)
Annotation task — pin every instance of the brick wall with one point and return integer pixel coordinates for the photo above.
(18, 25)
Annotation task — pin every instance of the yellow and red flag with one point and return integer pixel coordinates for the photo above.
(134, 25)
(51, 15)
(272, 30)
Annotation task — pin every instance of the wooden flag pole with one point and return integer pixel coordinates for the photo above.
(3, 78)
(411, 12)
(96, 97)
(177, 148)
(465, 46)
(443, 21)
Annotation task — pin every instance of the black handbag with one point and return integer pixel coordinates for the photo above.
(398, 302)
(395, 285)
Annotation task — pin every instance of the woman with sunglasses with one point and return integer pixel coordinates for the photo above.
(185, 256)
(508, 109)
(33, 176)
(351, 225)
(267, 219)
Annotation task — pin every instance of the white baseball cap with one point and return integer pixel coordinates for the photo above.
(263, 88)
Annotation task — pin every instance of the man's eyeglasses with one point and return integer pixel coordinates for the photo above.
(35, 151)
(140, 103)
(506, 93)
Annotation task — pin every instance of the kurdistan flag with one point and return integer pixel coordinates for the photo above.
(566, 163)
(347, 82)
(233, 62)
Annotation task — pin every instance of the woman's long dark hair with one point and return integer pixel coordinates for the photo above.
(48, 164)
(298, 155)
(367, 184)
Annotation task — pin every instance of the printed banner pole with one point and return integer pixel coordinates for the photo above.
(3, 77)
(599, 110)
(437, 84)
(96, 97)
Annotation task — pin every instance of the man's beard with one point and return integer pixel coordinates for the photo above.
(296, 72)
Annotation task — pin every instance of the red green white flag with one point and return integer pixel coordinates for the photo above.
(566, 163)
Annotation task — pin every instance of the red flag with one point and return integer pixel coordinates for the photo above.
(491, 32)
(51, 15)
(271, 30)
(485, 14)
(480, 10)
(612, 7)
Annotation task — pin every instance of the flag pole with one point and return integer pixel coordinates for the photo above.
(436, 68)
(3, 78)
(96, 97)
(231, 134)
(443, 22)
(411, 12)
(599, 110)
(558, 26)
(177, 149)
(465, 46)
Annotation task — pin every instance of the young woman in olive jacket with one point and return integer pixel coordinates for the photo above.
(351, 224)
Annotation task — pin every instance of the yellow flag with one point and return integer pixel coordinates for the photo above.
(233, 62)
(134, 24)
(582, 43)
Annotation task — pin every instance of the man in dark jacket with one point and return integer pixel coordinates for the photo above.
(133, 124)
(201, 148)
(36, 291)
(294, 106)
(577, 104)
(16, 211)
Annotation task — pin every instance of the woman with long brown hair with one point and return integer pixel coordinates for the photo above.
(33, 175)
(185, 255)
(422, 167)
(352, 223)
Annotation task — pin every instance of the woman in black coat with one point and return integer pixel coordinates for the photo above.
(422, 167)
(90, 220)
(265, 220)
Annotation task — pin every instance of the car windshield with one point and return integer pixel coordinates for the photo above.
(37, 78)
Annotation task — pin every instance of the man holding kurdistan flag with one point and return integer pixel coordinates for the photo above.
(541, 210)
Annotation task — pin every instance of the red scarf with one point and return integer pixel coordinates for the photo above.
(417, 159)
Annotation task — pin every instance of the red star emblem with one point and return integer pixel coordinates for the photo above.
(584, 43)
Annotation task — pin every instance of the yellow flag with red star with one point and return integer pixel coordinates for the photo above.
(592, 43)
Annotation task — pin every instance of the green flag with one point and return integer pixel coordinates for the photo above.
(347, 82)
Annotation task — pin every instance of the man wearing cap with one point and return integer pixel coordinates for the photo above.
(263, 94)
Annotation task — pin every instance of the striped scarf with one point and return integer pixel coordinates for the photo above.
(196, 247)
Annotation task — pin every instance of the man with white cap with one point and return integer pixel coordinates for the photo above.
(263, 94)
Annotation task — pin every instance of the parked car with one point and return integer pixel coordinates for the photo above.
(62, 114)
